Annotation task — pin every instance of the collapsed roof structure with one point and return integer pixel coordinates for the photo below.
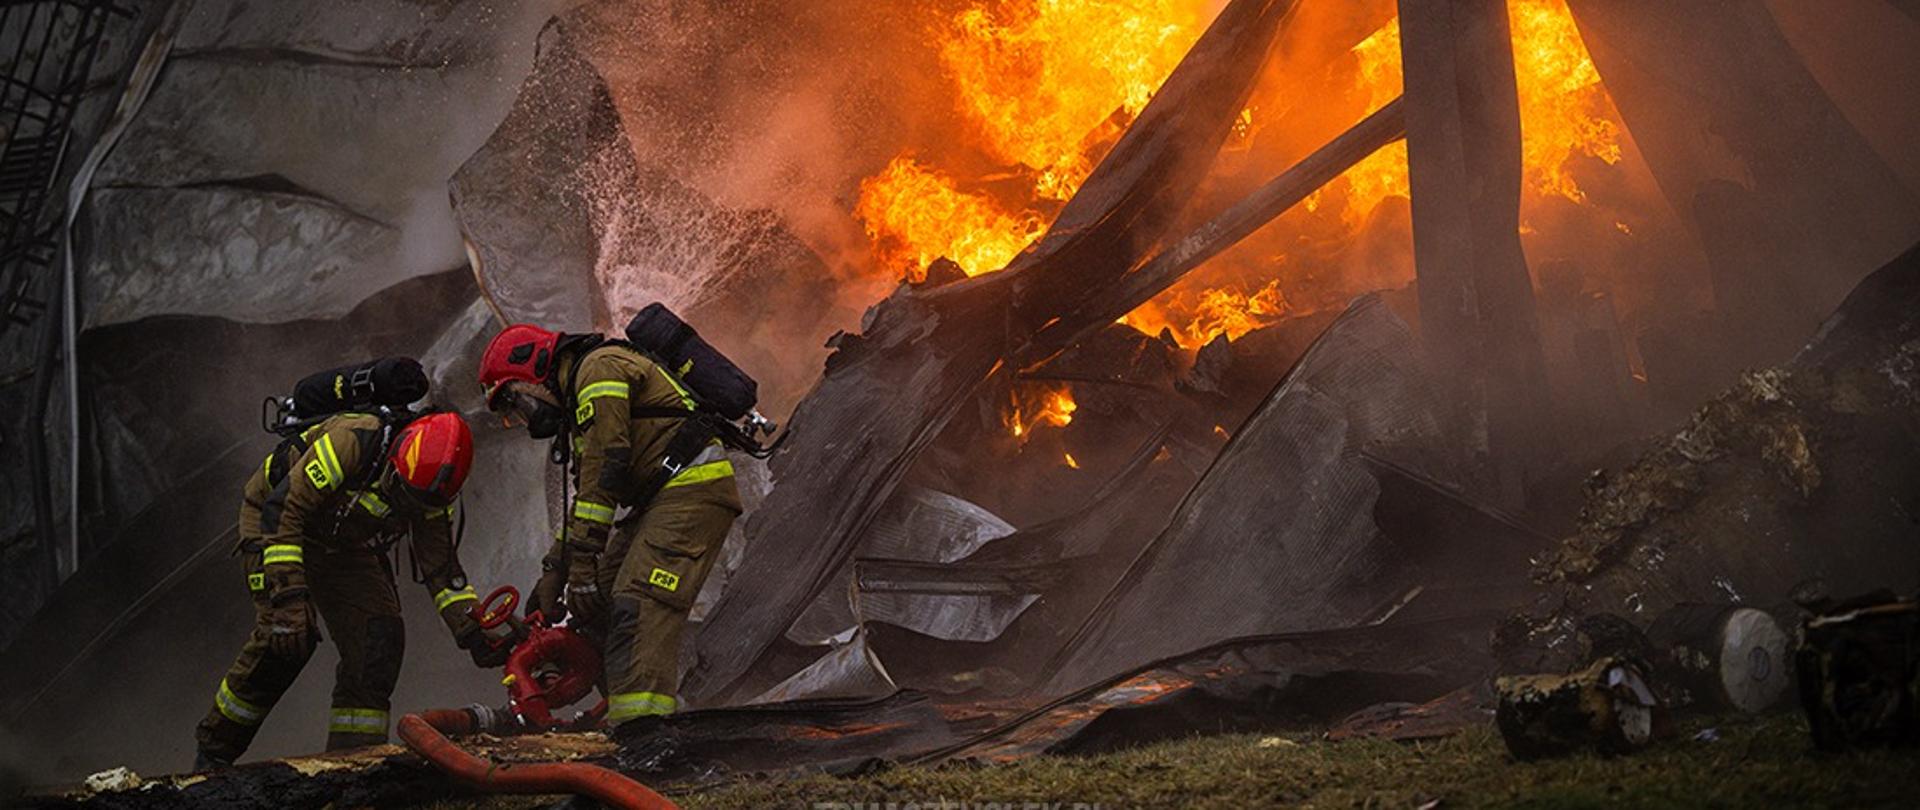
(1292, 525)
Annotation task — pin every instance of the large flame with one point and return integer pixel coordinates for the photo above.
(916, 215)
(1045, 86)
(1039, 78)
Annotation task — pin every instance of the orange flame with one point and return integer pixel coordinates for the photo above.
(1564, 110)
(1038, 406)
(1044, 84)
(1038, 77)
(1217, 311)
(915, 215)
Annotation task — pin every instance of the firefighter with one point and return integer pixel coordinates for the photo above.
(628, 583)
(316, 523)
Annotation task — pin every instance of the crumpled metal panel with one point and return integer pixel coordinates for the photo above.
(235, 253)
(1279, 535)
(242, 138)
(523, 201)
(850, 671)
(922, 525)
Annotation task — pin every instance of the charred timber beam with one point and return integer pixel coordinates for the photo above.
(1383, 127)
(1463, 158)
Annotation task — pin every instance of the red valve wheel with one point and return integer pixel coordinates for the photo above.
(498, 607)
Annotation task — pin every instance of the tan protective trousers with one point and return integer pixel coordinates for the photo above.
(354, 593)
(662, 557)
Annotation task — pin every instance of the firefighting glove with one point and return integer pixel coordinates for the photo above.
(486, 654)
(546, 593)
(292, 630)
(584, 599)
(459, 620)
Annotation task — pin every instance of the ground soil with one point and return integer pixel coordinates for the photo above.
(1753, 762)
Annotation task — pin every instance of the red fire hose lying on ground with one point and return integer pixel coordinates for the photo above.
(550, 668)
(426, 732)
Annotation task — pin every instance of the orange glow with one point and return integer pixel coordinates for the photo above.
(1036, 406)
(1071, 464)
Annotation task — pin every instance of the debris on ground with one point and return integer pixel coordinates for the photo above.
(1609, 707)
(1859, 670)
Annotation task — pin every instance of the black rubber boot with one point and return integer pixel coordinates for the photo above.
(204, 762)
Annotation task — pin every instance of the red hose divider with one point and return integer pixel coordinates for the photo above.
(422, 733)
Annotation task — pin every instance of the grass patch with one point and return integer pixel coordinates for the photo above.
(1757, 762)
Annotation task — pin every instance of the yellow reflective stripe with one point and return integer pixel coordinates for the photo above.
(702, 473)
(449, 596)
(686, 399)
(332, 458)
(588, 510)
(235, 709)
(277, 555)
(625, 706)
(358, 721)
(324, 469)
(266, 468)
(608, 388)
(435, 514)
(374, 504)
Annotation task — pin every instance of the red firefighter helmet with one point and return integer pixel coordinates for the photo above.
(431, 457)
(522, 352)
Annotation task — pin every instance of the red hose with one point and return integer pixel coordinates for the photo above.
(422, 733)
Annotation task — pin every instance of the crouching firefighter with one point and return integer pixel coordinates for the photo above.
(638, 439)
(316, 524)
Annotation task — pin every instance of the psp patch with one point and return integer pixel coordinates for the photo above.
(317, 473)
(665, 579)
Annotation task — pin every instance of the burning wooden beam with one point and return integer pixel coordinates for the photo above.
(888, 392)
(1463, 155)
(1384, 126)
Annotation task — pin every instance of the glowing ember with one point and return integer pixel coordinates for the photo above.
(1070, 462)
(1038, 406)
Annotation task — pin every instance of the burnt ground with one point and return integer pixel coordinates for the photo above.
(1755, 762)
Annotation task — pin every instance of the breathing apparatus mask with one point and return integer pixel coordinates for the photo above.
(520, 403)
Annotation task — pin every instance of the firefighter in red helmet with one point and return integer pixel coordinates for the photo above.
(629, 582)
(316, 523)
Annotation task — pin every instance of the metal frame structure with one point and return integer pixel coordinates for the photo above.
(48, 47)
(48, 50)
